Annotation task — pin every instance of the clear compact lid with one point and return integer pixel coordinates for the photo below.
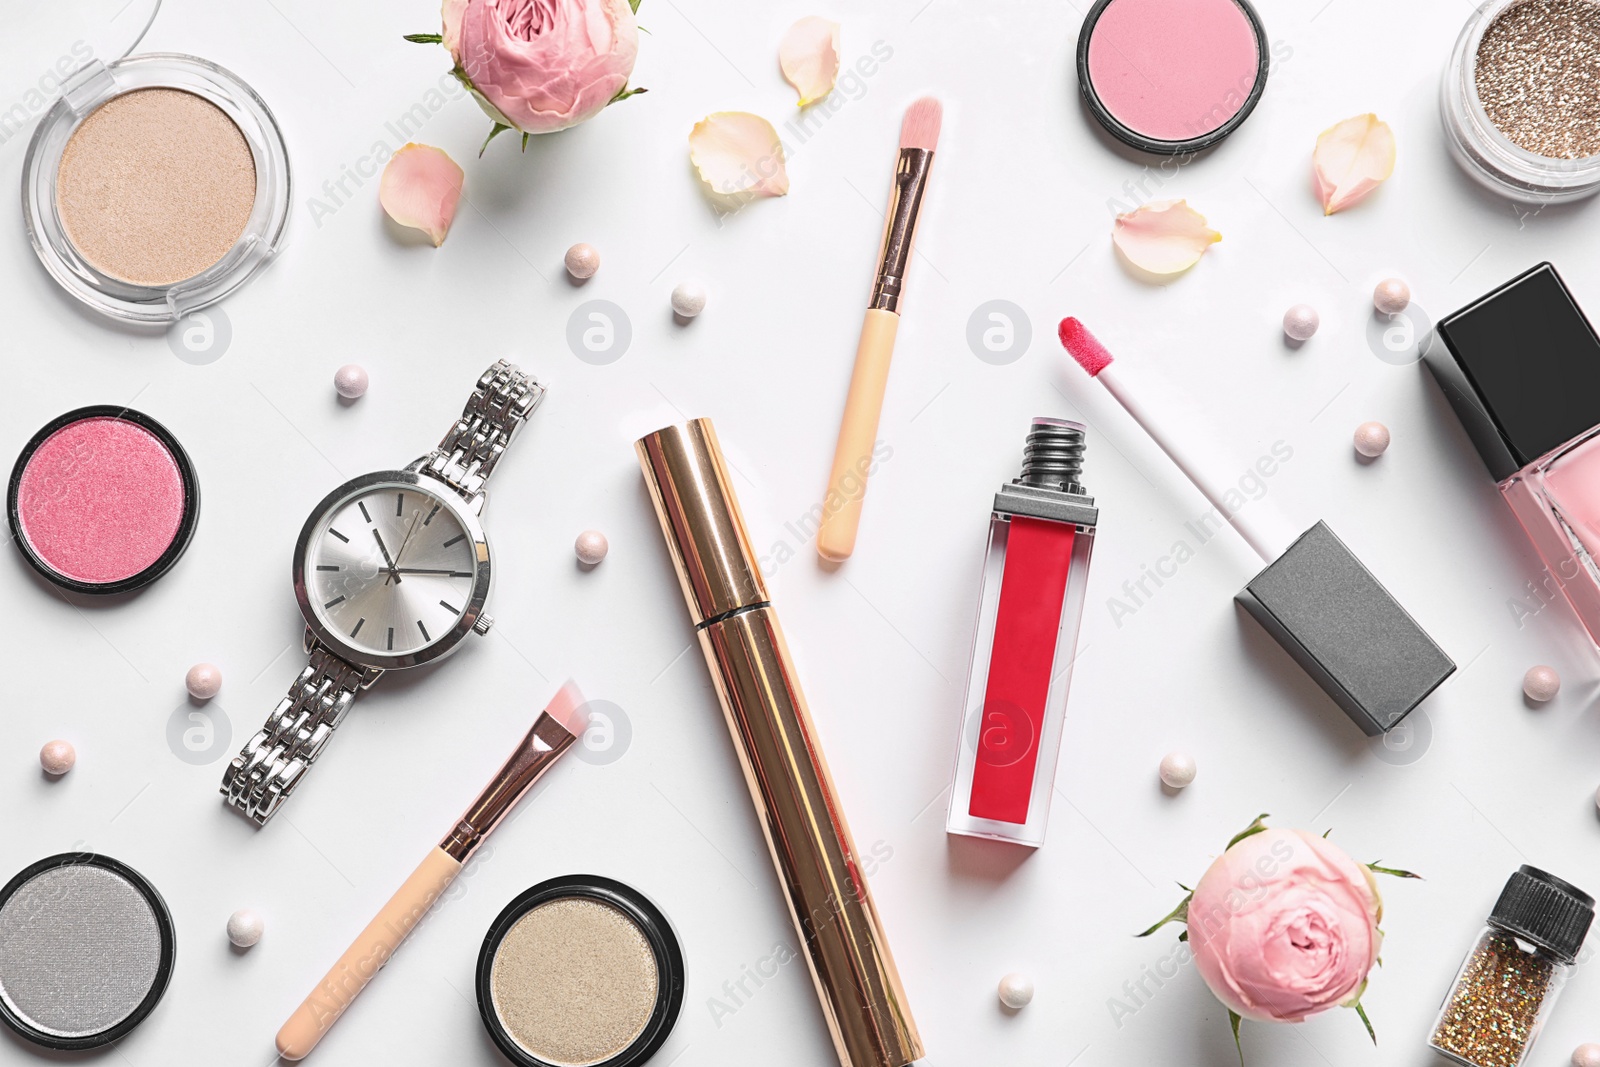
(45, 43)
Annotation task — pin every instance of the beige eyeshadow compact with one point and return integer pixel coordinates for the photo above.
(154, 184)
(580, 971)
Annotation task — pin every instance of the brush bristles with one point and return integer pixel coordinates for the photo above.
(921, 126)
(567, 708)
(1082, 346)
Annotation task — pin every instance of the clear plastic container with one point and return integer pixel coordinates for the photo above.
(1487, 154)
(1514, 974)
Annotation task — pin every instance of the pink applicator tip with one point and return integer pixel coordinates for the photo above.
(567, 707)
(1082, 346)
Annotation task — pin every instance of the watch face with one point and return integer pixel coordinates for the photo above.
(390, 569)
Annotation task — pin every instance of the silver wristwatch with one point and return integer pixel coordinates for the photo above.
(391, 570)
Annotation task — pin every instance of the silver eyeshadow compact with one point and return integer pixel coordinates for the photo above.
(1520, 99)
(580, 971)
(86, 951)
(154, 184)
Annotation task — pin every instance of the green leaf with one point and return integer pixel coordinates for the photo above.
(1392, 871)
(461, 76)
(635, 5)
(623, 94)
(1363, 1013)
(498, 129)
(1234, 1019)
(1252, 830)
(1180, 914)
(1327, 833)
(425, 38)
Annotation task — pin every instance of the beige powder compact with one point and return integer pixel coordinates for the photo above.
(154, 184)
(580, 971)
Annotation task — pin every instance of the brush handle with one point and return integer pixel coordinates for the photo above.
(369, 952)
(858, 432)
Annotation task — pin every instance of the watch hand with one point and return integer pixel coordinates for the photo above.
(424, 570)
(386, 559)
(400, 555)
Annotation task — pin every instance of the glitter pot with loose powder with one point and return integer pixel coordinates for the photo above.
(1172, 77)
(156, 184)
(86, 950)
(103, 500)
(1520, 101)
(580, 971)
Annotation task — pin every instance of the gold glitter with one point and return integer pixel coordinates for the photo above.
(1538, 76)
(1491, 1015)
(574, 981)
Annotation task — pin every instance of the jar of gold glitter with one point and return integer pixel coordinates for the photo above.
(1520, 102)
(1515, 971)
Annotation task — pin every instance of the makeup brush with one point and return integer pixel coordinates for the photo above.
(560, 724)
(858, 431)
(1314, 597)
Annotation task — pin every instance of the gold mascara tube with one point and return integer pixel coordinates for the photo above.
(778, 748)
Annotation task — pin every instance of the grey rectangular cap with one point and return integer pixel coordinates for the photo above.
(1339, 623)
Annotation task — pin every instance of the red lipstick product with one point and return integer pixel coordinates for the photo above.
(1040, 536)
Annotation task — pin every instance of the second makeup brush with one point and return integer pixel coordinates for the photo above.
(1314, 597)
(858, 430)
(557, 727)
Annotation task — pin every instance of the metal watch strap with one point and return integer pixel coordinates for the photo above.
(272, 762)
(504, 398)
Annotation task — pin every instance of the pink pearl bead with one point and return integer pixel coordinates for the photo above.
(351, 381)
(1391, 296)
(1541, 683)
(1301, 321)
(203, 681)
(591, 547)
(1586, 1055)
(1372, 439)
(582, 261)
(57, 757)
(1177, 770)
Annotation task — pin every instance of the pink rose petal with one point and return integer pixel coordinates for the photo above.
(1352, 159)
(809, 57)
(421, 187)
(738, 155)
(1163, 237)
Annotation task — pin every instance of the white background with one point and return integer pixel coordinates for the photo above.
(1018, 211)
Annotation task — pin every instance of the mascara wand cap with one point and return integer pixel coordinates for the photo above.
(694, 500)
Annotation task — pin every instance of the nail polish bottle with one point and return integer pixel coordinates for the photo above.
(1521, 368)
(1041, 534)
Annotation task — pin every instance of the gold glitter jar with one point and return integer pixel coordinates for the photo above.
(1520, 100)
(1514, 973)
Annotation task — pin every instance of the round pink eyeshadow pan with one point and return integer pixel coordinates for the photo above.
(103, 500)
(1172, 74)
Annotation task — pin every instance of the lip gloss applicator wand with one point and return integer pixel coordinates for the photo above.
(560, 724)
(1315, 597)
(858, 430)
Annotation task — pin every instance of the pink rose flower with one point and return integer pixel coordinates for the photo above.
(542, 65)
(1285, 925)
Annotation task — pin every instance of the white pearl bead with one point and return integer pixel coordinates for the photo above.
(1391, 296)
(57, 757)
(1178, 770)
(203, 681)
(351, 381)
(1372, 439)
(689, 299)
(1541, 683)
(582, 261)
(591, 547)
(1016, 990)
(1301, 321)
(245, 928)
(1586, 1055)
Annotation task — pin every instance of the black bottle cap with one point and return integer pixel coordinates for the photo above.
(1541, 908)
(1521, 367)
(1349, 633)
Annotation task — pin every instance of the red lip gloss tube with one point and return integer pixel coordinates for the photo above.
(1034, 576)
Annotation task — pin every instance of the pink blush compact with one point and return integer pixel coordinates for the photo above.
(1172, 76)
(103, 500)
